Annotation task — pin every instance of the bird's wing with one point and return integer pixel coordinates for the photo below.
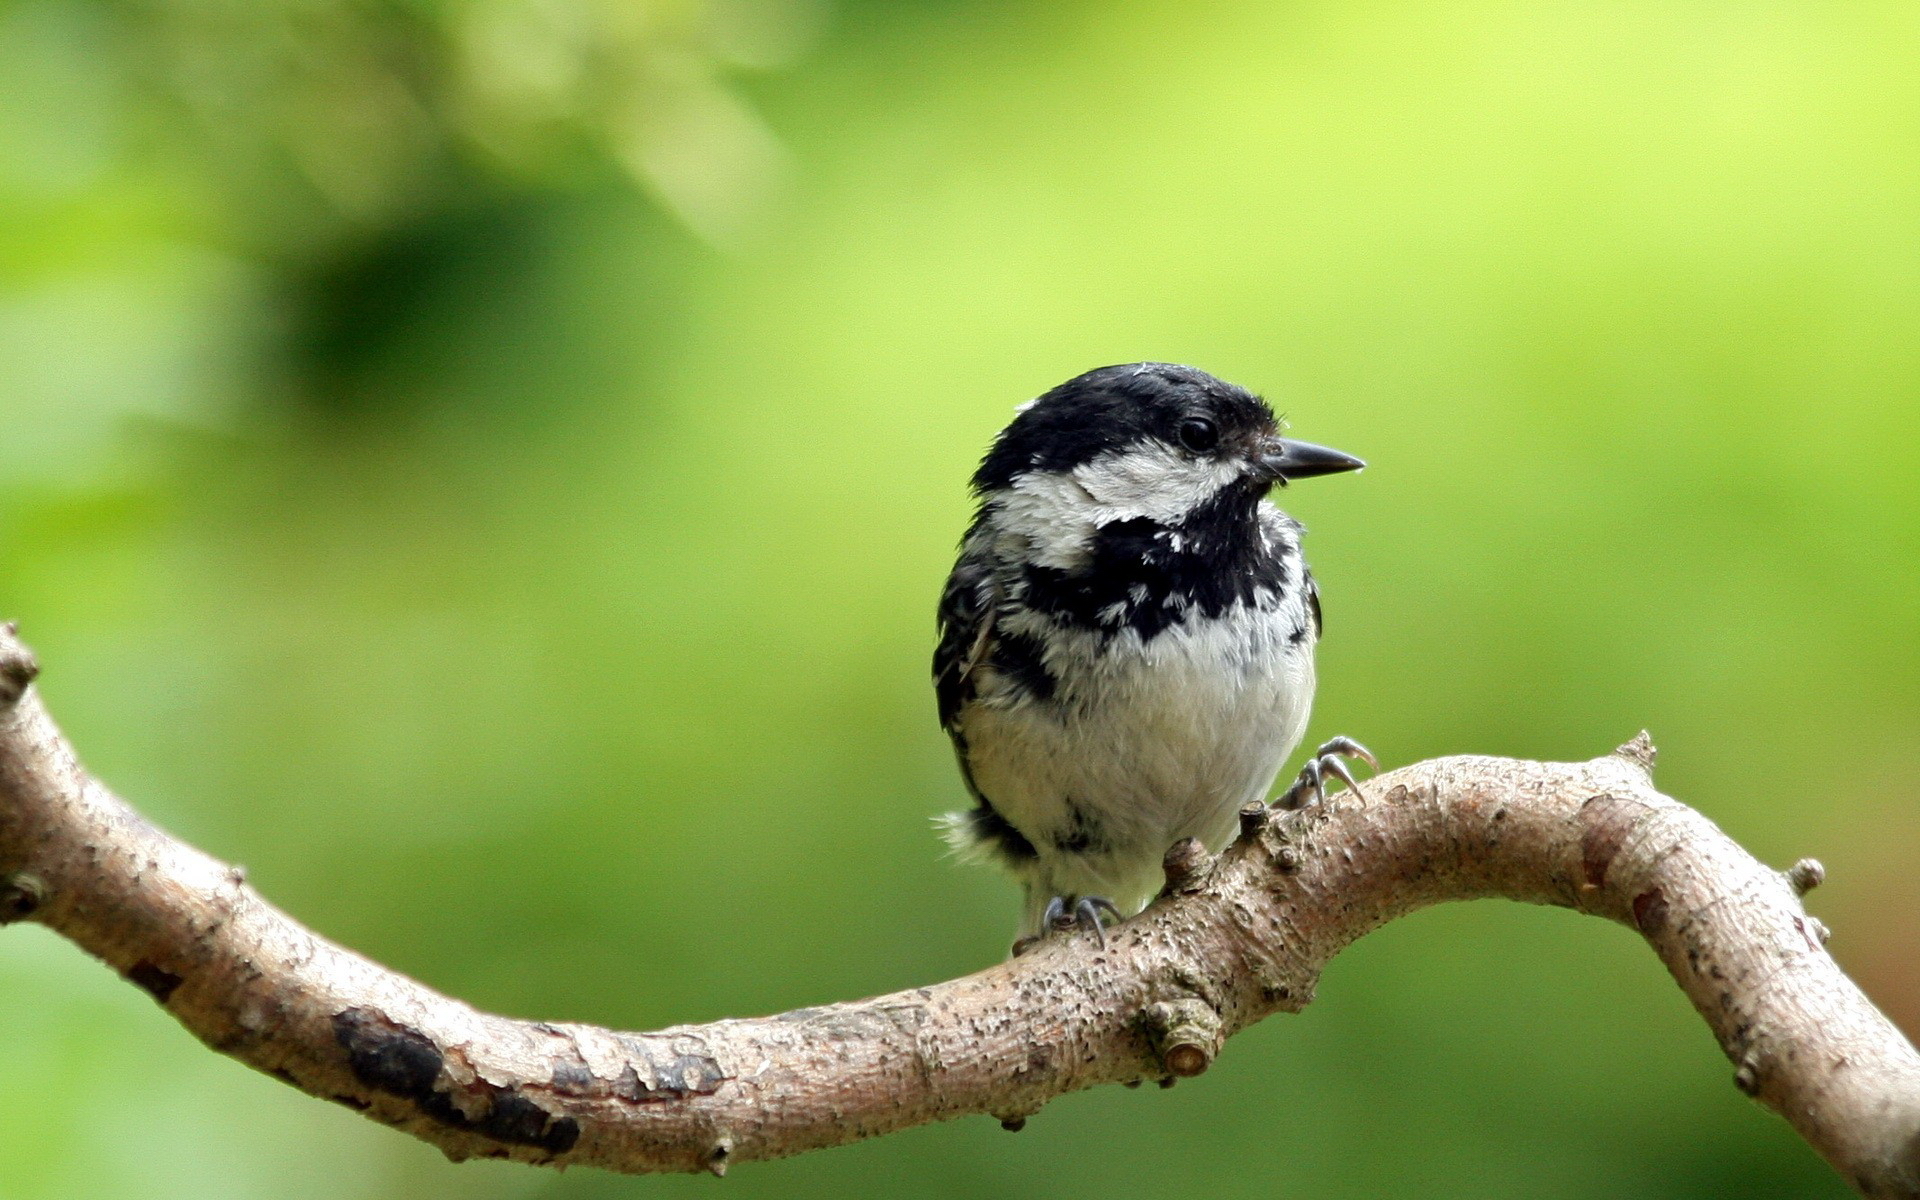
(966, 632)
(1313, 603)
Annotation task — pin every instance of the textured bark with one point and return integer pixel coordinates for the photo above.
(1235, 938)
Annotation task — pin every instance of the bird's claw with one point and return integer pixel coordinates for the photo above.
(1084, 912)
(1311, 784)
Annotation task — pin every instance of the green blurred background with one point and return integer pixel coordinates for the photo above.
(488, 468)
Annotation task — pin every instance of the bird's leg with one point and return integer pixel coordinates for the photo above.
(1069, 912)
(1311, 784)
(1056, 915)
(1086, 914)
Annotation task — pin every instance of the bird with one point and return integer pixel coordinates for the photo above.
(1125, 644)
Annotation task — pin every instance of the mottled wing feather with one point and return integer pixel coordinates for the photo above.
(966, 630)
(1313, 603)
(967, 609)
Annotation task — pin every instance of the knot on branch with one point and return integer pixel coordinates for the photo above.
(1185, 1035)
(1187, 865)
(21, 895)
(1253, 819)
(18, 667)
(1013, 1120)
(1639, 751)
(1805, 875)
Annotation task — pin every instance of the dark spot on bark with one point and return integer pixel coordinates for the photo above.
(386, 1055)
(157, 981)
(511, 1117)
(400, 1061)
(508, 1117)
(1650, 911)
(353, 1102)
(1606, 821)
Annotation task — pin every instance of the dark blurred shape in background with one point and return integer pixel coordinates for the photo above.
(488, 467)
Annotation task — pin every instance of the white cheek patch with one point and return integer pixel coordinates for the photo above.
(1052, 515)
(1057, 514)
(1152, 480)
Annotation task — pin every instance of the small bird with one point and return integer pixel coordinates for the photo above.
(1126, 642)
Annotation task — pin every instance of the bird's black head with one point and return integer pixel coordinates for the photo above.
(1190, 420)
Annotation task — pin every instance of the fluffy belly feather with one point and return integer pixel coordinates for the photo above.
(1150, 742)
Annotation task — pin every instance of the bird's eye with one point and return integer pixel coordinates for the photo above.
(1199, 434)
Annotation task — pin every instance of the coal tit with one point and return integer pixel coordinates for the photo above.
(1125, 651)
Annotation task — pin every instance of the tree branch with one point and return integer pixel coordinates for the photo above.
(1235, 938)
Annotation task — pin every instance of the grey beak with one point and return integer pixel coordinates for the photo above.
(1287, 459)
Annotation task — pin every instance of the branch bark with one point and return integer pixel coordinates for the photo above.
(1236, 937)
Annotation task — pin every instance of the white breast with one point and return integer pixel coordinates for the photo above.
(1144, 743)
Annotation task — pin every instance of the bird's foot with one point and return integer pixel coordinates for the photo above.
(1084, 912)
(1311, 784)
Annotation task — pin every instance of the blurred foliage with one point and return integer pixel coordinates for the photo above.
(487, 467)
(315, 117)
